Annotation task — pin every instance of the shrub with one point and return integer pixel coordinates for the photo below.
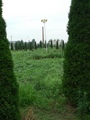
(27, 95)
(9, 97)
(77, 53)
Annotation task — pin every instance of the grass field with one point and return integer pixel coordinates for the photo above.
(39, 74)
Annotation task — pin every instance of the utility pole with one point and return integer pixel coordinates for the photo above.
(43, 35)
(44, 31)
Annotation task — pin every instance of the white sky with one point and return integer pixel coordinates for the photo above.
(23, 19)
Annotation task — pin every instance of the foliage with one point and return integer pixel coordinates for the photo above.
(41, 53)
(9, 96)
(62, 44)
(83, 105)
(57, 46)
(40, 44)
(11, 46)
(40, 85)
(36, 77)
(30, 46)
(77, 56)
(27, 94)
(51, 43)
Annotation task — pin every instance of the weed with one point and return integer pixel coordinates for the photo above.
(39, 75)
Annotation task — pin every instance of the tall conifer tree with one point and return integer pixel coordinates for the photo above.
(76, 79)
(9, 97)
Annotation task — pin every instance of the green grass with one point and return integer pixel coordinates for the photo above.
(40, 84)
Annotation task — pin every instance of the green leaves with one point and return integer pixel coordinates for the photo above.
(39, 79)
(77, 53)
(9, 96)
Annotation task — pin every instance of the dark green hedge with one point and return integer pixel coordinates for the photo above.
(76, 78)
(9, 95)
(76, 70)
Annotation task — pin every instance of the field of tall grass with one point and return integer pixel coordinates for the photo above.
(39, 75)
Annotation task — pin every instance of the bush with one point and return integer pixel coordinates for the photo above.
(9, 96)
(77, 54)
(83, 105)
(27, 95)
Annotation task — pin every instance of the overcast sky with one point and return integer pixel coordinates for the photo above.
(23, 19)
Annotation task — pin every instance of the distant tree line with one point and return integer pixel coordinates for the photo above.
(30, 45)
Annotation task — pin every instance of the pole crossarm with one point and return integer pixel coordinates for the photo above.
(44, 20)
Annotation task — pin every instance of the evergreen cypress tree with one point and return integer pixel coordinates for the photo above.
(51, 44)
(9, 97)
(12, 46)
(40, 44)
(35, 45)
(16, 46)
(25, 46)
(22, 44)
(31, 47)
(76, 79)
(57, 44)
